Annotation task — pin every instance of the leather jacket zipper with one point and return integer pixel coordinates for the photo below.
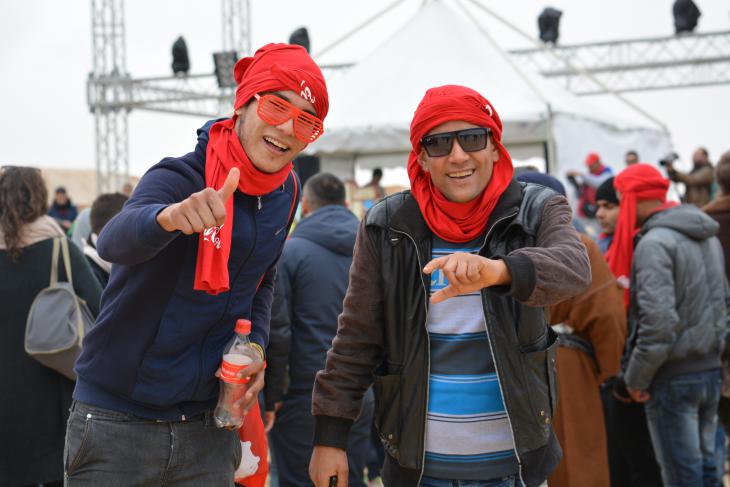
(428, 356)
(491, 351)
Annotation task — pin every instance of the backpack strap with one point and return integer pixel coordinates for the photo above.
(66, 260)
(54, 264)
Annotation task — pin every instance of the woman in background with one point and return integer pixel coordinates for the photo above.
(35, 399)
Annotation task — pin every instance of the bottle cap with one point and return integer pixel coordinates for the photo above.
(243, 326)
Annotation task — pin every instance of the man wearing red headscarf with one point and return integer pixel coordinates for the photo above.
(193, 250)
(586, 184)
(444, 313)
(677, 294)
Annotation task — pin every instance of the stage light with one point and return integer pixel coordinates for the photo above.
(224, 63)
(549, 22)
(686, 15)
(300, 37)
(180, 59)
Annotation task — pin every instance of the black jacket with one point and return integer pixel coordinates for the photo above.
(310, 286)
(382, 327)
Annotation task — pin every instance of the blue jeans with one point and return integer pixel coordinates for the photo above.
(682, 418)
(110, 448)
(432, 482)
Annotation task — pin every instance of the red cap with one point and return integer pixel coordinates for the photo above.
(243, 326)
(592, 158)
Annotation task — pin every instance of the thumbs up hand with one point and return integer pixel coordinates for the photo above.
(201, 210)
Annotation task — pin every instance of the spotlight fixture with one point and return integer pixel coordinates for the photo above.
(686, 15)
(180, 59)
(549, 22)
(224, 63)
(300, 37)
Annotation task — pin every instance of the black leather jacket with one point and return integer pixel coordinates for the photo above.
(523, 346)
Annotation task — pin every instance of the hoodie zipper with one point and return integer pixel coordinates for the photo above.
(491, 351)
(259, 203)
(428, 355)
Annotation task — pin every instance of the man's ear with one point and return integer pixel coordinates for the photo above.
(423, 159)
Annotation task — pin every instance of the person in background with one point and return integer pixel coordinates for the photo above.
(105, 206)
(698, 181)
(587, 183)
(36, 399)
(631, 157)
(311, 282)
(607, 210)
(62, 209)
(81, 228)
(630, 454)
(443, 313)
(677, 322)
(375, 183)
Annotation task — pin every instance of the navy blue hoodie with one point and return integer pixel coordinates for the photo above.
(157, 342)
(311, 284)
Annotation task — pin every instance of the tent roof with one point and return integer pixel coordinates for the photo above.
(373, 102)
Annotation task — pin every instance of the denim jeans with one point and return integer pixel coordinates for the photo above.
(110, 448)
(432, 482)
(682, 418)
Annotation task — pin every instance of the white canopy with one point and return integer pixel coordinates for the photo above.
(373, 102)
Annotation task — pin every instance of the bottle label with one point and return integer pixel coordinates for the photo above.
(231, 365)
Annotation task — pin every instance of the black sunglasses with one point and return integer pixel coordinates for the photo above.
(470, 140)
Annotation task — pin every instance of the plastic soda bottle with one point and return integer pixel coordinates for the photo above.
(237, 355)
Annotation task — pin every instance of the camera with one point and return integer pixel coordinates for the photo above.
(668, 159)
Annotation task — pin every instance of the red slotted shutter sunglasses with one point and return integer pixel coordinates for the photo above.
(275, 111)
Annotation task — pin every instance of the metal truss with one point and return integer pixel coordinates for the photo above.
(112, 93)
(110, 124)
(635, 65)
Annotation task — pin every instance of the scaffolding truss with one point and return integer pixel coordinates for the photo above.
(635, 65)
(112, 93)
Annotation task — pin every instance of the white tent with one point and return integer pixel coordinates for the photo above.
(373, 102)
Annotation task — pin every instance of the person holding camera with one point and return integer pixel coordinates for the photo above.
(698, 181)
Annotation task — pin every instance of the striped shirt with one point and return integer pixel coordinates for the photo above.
(468, 435)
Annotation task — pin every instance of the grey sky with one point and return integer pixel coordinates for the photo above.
(46, 56)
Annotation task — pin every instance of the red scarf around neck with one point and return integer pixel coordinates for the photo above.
(224, 152)
(456, 222)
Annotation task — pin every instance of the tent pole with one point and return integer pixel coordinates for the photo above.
(575, 68)
(357, 28)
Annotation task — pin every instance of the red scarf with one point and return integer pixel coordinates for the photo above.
(274, 67)
(639, 182)
(456, 222)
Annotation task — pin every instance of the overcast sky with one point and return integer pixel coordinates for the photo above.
(46, 57)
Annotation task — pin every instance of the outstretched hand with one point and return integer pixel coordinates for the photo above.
(201, 210)
(467, 273)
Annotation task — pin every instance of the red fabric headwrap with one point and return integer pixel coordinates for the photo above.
(456, 222)
(639, 182)
(274, 67)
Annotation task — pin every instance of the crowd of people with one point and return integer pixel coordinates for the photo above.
(468, 331)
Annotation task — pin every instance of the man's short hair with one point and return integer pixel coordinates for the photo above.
(324, 189)
(377, 173)
(722, 173)
(105, 206)
(632, 153)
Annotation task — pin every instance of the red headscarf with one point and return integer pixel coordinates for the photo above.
(591, 159)
(274, 67)
(639, 182)
(456, 222)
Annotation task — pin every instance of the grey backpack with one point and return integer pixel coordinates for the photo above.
(58, 319)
